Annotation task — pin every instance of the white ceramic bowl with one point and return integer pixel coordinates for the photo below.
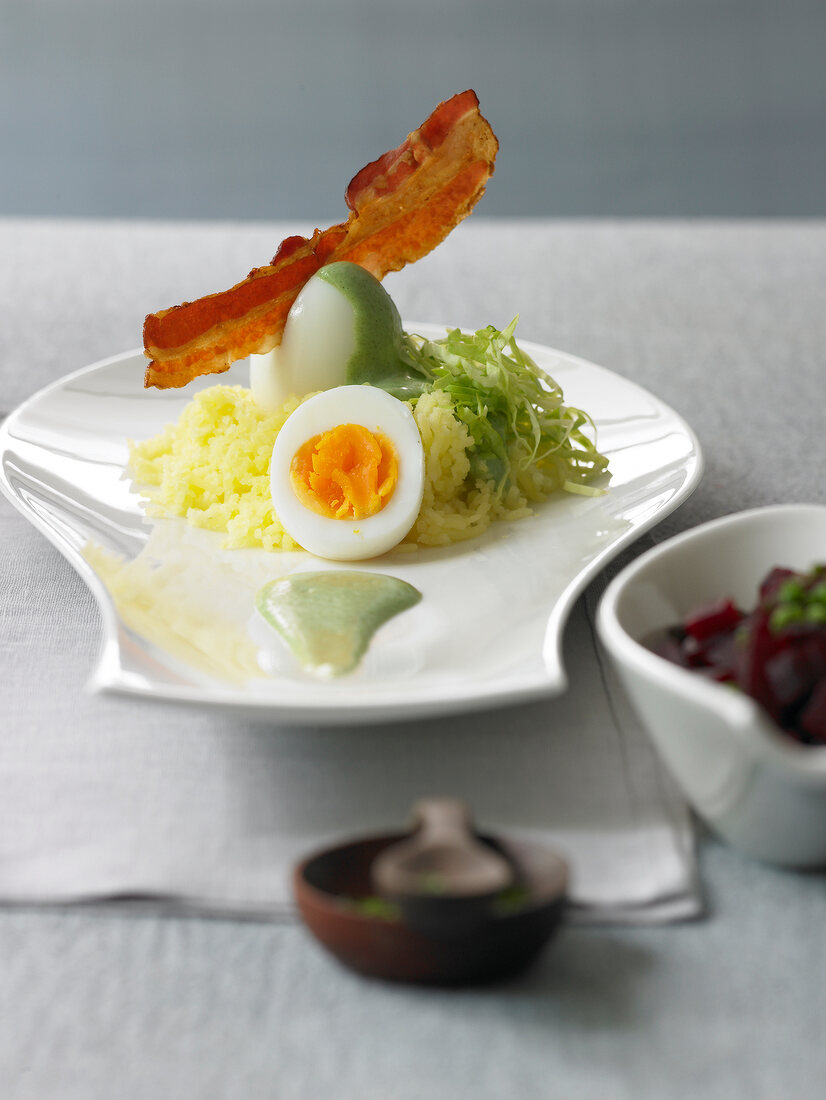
(757, 787)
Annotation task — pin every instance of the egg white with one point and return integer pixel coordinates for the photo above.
(318, 342)
(350, 539)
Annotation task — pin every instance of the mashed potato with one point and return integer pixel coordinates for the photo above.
(212, 468)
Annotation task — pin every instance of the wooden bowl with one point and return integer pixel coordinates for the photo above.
(330, 888)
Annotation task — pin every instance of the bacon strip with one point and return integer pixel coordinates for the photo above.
(401, 206)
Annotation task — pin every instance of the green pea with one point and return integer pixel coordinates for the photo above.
(785, 615)
(790, 590)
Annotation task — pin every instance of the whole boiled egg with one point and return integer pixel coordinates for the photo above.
(343, 329)
(347, 473)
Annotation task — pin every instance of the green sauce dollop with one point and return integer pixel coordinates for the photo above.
(328, 619)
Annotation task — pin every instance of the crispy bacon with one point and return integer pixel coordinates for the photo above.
(401, 206)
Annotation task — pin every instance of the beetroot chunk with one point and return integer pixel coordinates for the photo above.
(813, 719)
(751, 674)
(714, 618)
(795, 669)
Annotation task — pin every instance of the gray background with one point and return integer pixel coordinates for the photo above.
(256, 109)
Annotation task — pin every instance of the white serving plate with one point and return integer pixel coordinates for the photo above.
(487, 632)
(757, 787)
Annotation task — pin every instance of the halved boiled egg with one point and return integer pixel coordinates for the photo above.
(347, 473)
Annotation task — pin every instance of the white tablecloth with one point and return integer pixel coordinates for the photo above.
(725, 322)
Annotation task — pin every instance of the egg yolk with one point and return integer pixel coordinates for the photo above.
(347, 472)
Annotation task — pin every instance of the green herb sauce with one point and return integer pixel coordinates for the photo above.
(328, 619)
(378, 358)
(505, 904)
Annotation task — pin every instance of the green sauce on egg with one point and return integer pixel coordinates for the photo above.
(378, 358)
(328, 619)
